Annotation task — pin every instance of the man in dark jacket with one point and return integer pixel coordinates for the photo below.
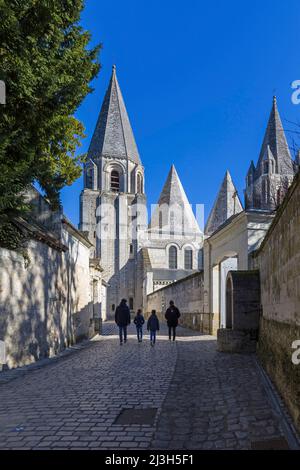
(172, 315)
(122, 319)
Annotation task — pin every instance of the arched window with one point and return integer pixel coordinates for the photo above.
(115, 181)
(188, 258)
(266, 167)
(139, 184)
(172, 257)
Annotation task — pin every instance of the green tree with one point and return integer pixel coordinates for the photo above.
(47, 67)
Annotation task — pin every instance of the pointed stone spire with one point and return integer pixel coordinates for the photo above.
(173, 199)
(113, 136)
(275, 139)
(251, 168)
(226, 204)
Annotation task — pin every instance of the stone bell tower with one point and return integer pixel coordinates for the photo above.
(113, 202)
(268, 181)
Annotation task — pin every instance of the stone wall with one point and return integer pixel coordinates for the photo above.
(187, 295)
(52, 302)
(279, 263)
(46, 306)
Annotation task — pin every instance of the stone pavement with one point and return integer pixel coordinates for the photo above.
(205, 399)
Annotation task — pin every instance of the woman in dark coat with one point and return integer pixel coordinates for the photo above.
(172, 315)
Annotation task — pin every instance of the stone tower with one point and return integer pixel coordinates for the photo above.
(113, 202)
(267, 183)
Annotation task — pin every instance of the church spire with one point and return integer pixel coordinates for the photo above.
(275, 143)
(113, 136)
(173, 200)
(226, 204)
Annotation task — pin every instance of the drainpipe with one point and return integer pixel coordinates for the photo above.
(209, 285)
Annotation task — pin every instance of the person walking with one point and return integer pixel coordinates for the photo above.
(139, 321)
(122, 319)
(172, 315)
(153, 327)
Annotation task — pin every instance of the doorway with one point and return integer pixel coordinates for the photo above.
(228, 264)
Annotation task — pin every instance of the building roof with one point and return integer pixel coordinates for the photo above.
(81, 236)
(113, 136)
(39, 233)
(275, 144)
(173, 198)
(225, 206)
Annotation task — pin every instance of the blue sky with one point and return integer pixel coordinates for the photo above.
(198, 79)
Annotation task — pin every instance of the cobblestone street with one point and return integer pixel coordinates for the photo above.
(205, 399)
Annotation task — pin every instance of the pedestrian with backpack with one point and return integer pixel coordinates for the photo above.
(172, 315)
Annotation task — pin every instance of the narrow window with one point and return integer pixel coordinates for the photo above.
(160, 221)
(172, 223)
(131, 248)
(265, 191)
(89, 178)
(115, 181)
(139, 184)
(188, 258)
(172, 257)
(266, 167)
(113, 307)
(131, 303)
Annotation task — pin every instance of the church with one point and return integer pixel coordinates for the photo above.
(141, 254)
(137, 256)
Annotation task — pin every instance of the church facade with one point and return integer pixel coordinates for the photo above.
(136, 258)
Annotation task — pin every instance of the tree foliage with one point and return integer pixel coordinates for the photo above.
(47, 67)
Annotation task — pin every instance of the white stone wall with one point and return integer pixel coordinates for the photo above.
(46, 306)
(187, 295)
(79, 284)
